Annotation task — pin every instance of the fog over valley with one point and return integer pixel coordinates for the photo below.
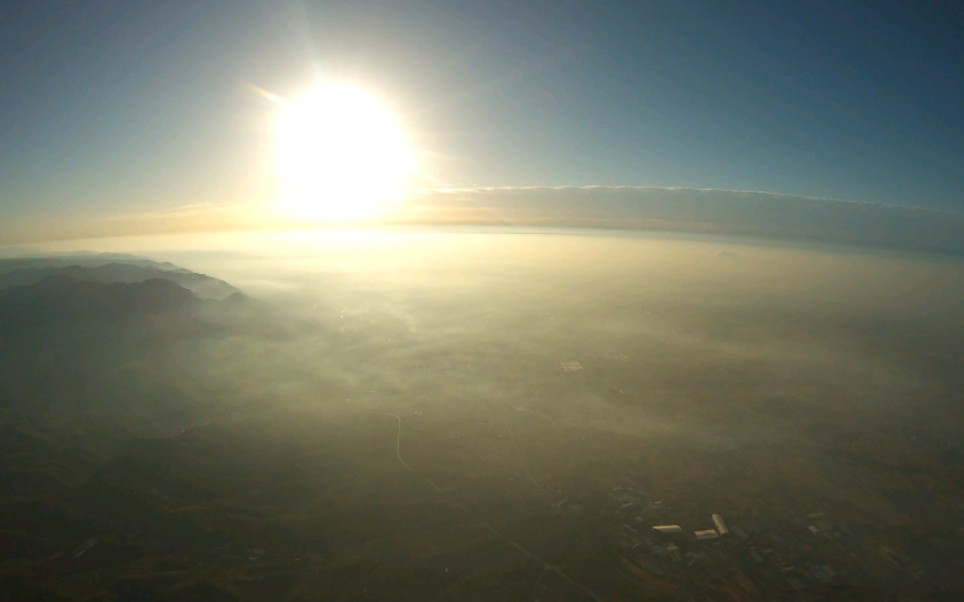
(315, 300)
(479, 414)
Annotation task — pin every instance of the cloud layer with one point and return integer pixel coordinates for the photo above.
(697, 210)
(711, 211)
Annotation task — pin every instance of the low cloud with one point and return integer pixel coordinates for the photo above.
(712, 211)
(696, 210)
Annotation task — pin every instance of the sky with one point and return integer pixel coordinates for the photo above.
(113, 108)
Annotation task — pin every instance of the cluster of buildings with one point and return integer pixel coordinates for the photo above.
(632, 502)
(763, 558)
(719, 529)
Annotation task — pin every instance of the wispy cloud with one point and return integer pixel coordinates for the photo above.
(706, 210)
(703, 210)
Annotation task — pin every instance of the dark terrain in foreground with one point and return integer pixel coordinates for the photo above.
(130, 470)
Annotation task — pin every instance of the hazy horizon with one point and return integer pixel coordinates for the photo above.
(476, 413)
(446, 300)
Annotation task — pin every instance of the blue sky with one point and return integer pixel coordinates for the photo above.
(113, 107)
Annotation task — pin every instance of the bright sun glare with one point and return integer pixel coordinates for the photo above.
(342, 155)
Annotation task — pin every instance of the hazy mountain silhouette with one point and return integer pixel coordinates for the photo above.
(13, 259)
(59, 299)
(25, 271)
(70, 336)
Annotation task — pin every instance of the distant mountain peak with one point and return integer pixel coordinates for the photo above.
(62, 298)
(110, 268)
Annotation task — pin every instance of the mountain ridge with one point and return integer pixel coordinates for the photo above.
(25, 272)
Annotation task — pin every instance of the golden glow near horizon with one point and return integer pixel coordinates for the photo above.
(342, 155)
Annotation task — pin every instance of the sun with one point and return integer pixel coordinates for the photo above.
(342, 155)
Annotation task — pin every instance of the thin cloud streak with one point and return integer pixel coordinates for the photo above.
(645, 208)
(700, 210)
